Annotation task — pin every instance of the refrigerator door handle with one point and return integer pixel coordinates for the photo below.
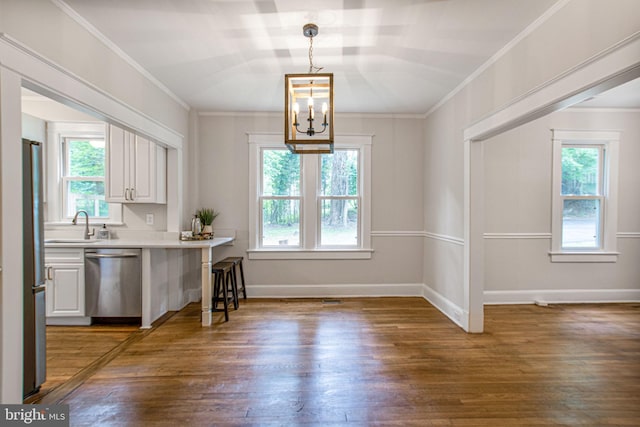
(39, 288)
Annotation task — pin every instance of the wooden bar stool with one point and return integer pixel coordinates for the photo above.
(237, 261)
(223, 282)
(230, 282)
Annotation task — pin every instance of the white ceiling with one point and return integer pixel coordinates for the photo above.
(49, 110)
(624, 96)
(388, 56)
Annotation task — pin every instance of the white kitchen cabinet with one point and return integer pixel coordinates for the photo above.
(136, 169)
(64, 269)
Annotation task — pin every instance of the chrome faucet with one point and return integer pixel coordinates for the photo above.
(87, 235)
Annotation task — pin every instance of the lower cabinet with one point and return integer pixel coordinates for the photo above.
(64, 268)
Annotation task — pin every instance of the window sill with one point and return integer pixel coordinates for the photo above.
(584, 256)
(322, 254)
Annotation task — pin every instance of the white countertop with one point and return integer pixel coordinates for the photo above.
(136, 243)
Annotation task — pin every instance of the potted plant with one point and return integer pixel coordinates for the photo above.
(207, 216)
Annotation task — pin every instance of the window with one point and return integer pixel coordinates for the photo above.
(585, 196)
(83, 177)
(280, 198)
(339, 199)
(76, 165)
(309, 206)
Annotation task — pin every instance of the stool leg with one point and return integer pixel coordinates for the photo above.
(224, 300)
(244, 289)
(220, 288)
(234, 276)
(231, 276)
(216, 292)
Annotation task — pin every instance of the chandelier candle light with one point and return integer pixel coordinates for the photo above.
(316, 89)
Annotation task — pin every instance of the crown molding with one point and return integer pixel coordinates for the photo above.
(590, 77)
(239, 113)
(407, 116)
(499, 54)
(41, 72)
(71, 13)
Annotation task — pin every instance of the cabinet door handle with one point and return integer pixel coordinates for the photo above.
(49, 273)
(133, 194)
(126, 194)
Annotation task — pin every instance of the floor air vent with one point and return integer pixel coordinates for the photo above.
(331, 301)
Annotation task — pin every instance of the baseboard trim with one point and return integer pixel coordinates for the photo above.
(69, 321)
(559, 296)
(335, 290)
(457, 314)
(192, 295)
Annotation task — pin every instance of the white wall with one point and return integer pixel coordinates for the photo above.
(443, 201)
(48, 49)
(223, 161)
(571, 36)
(44, 28)
(518, 202)
(54, 35)
(34, 128)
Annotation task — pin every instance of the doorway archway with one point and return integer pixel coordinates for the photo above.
(609, 69)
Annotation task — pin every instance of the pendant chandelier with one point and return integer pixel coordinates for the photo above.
(306, 130)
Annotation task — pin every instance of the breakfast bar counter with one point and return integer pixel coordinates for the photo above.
(149, 314)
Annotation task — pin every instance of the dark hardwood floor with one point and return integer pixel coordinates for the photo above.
(71, 349)
(375, 361)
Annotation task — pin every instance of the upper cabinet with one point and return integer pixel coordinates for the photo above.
(136, 169)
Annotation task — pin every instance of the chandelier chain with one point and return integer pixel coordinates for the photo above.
(312, 68)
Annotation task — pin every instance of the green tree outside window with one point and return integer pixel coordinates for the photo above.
(85, 177)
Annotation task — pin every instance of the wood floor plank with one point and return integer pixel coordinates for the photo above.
(70, 349)
(375, 361)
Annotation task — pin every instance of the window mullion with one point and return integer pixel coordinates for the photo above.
(601, 170)
(310, 201)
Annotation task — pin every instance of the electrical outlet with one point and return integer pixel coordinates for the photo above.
(149, 219)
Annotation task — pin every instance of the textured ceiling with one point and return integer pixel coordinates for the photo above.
(388, 56)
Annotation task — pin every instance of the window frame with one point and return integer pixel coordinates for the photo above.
(309, 201)
(262, 198)
(320, 198)
(66, 178)
(607, 142)
(57, 134)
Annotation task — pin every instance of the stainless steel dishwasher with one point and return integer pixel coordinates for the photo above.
(113, 282)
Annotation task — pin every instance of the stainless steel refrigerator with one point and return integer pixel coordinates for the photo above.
(34, 278)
